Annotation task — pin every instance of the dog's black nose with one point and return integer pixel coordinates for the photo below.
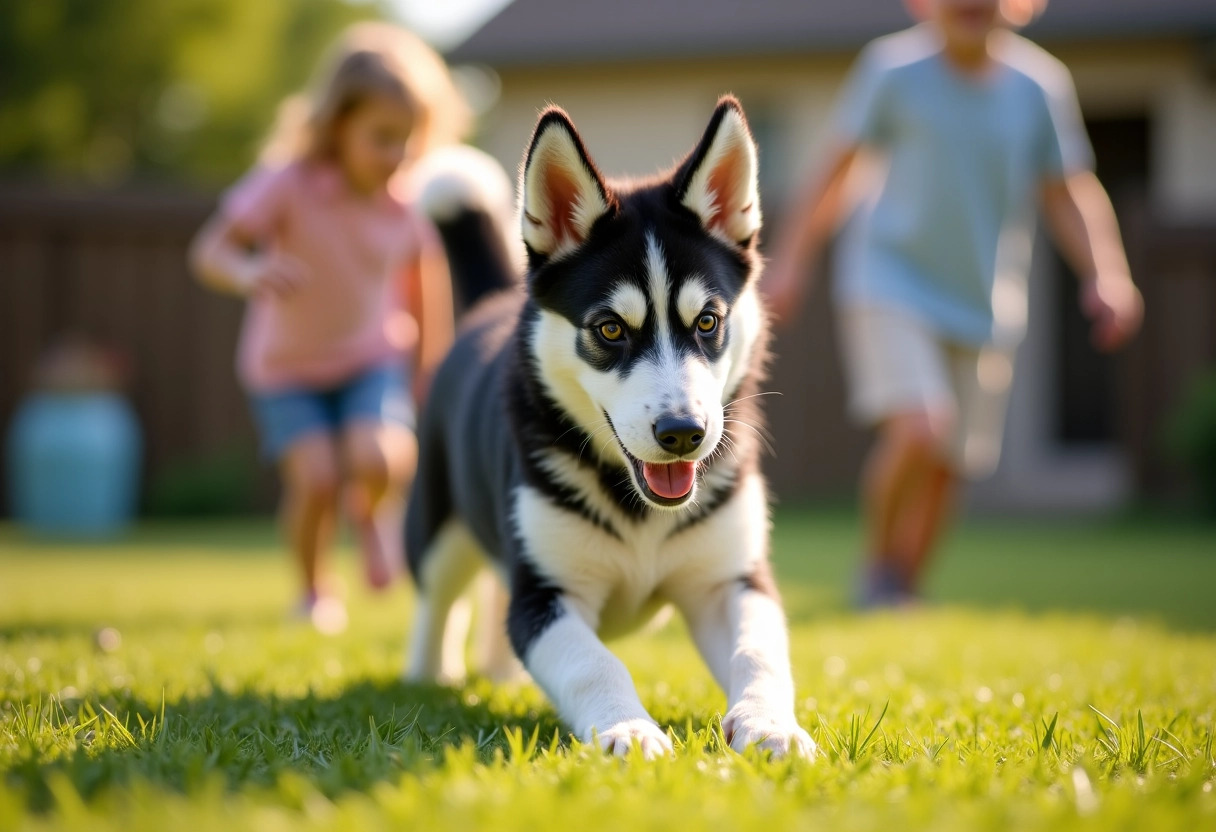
(679, 434)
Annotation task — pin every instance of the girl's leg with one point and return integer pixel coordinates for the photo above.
(380, 460)
(310, 491)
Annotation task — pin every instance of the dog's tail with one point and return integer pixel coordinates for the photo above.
(470, 199)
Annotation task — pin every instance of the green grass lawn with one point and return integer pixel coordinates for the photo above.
(1065, 679)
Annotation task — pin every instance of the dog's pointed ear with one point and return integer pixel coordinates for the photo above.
(719, 180)
(562, 192)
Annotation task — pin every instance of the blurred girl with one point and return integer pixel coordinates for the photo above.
(349, 301)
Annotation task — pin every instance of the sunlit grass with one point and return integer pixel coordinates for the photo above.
(160, 684)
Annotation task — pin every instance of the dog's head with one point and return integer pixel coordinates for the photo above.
(647, 312)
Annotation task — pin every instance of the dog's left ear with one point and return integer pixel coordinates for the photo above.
(719, 180)
(562, 191)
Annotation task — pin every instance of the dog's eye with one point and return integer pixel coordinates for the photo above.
(707, 323)
(611, 331)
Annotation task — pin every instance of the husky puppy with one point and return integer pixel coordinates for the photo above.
(595, 441)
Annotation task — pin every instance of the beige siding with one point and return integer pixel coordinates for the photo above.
(638, 118)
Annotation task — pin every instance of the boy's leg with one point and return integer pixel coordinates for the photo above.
(899, 379)
(906, 488)
(968, 445)
(310, 490)
(924, 519)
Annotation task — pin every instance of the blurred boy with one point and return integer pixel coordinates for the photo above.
(975, 126)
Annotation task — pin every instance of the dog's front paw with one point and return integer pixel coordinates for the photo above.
(619, 738)
(747, 724)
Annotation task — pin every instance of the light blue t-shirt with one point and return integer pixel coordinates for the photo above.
(950, 232)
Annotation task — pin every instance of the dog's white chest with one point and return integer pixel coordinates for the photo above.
(622, 581)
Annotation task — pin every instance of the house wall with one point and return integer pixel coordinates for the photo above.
(639, 118)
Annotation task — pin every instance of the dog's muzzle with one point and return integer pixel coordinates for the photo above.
(668, 483)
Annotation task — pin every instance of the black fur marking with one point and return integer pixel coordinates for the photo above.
(761, 580)
(535, 605)
(477, 258)
(708, 504)
(572, 500)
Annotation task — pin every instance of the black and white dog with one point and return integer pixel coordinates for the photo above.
(596, 442)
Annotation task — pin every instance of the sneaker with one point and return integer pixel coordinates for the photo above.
(326, 613)
(882, 586)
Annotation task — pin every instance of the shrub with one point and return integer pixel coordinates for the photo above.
(1191, 436)
(210, 485)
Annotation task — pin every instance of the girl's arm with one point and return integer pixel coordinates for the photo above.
(226, 259)
(428, 294)
(813, 219)
(1083, 224)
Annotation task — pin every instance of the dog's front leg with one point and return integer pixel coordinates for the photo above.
(590, 687)
(740, 631)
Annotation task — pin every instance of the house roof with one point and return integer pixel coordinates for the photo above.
(553, 32)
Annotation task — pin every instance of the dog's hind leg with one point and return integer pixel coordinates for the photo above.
(492, 653)
(442, 619)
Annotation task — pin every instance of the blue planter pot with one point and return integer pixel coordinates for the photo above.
(73, 463)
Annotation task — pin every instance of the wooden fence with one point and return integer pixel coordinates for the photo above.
(112, 267)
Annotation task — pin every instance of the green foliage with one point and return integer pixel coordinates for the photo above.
(109, 91)
(202, 706)
(1191, 436)
(209, 485)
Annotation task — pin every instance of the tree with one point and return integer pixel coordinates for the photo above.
(113, 91)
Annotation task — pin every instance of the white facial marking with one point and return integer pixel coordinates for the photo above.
(629, 302)
(576, 387)
(692, 299)
(746, 322)
(660, 286)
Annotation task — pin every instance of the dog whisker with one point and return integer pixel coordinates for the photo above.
(764, 440)
(752, 396)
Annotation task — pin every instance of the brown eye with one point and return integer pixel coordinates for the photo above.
(611, 331)
(707, 323)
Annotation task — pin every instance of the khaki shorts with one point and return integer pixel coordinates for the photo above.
(895, 363)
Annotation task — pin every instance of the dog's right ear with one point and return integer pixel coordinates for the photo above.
(563, 193)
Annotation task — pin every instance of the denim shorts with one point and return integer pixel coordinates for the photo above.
(378, 395)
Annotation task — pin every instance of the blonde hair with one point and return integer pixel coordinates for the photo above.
(370, 59)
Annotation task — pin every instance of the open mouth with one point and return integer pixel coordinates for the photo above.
(664, 483)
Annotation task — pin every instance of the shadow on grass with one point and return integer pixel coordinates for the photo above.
(368, 733)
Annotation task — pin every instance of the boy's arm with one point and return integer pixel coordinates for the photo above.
(1082, 222)
(429, 296)
(814, 217)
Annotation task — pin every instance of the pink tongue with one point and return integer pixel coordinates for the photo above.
(671, 480)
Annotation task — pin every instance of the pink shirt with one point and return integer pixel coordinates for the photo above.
(350, 314)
